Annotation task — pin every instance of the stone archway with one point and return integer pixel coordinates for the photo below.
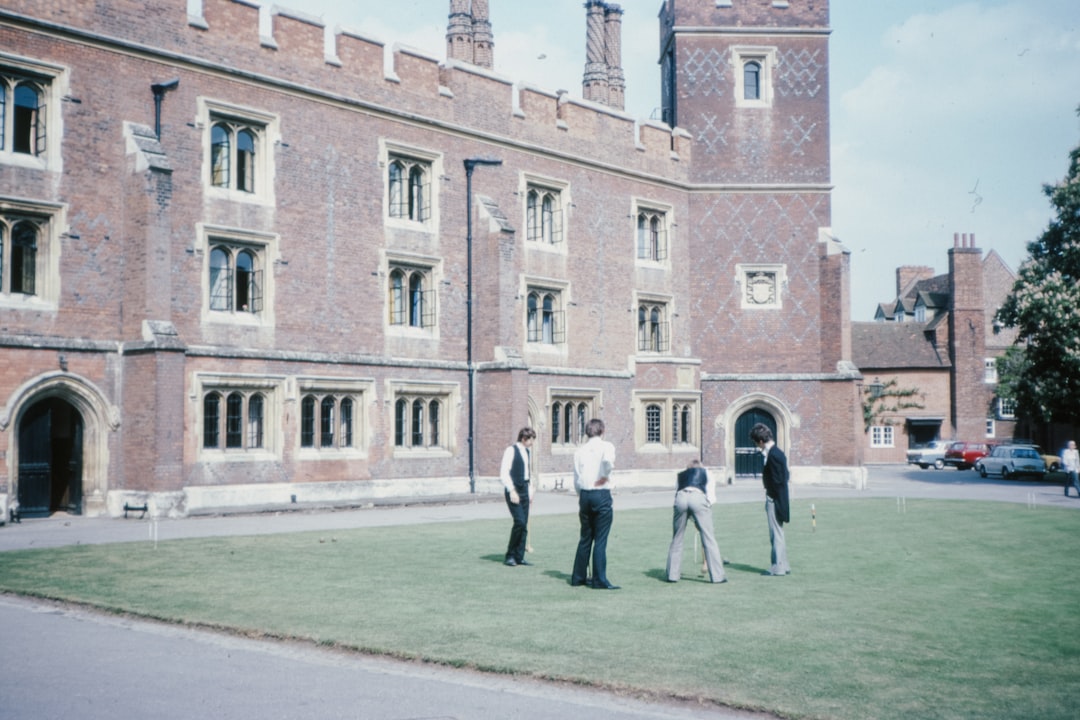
(749, 409)
(57, 392)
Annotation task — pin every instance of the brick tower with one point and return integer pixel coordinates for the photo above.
(748, 81)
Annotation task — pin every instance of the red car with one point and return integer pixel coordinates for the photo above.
(963, 455)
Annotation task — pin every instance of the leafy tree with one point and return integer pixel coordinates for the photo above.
(1044, 306)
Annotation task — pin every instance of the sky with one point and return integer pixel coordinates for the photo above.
(946, 116)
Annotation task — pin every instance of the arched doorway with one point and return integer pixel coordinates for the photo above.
(748, 459)
(50, 475)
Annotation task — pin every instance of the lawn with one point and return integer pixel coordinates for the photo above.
(947, 609)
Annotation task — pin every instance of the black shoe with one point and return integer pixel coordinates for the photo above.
(510, 562)
(604, 586)
(524, 562)
(578, 583)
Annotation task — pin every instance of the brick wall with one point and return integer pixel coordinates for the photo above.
(134, 248)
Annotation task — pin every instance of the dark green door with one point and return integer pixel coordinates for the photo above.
(50, 459)
(748, 459)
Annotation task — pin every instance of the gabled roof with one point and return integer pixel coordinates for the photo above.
(880, 346)
(932, 300)
(936, 284)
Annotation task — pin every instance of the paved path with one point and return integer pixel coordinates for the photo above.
(885, 481)
(59, 661)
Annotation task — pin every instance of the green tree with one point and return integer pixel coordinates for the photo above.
(1044, 306)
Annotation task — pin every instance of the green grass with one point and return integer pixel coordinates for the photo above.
(948, 610)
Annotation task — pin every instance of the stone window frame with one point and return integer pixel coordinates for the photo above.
(264, 246)
(51, 81)
(644, 342)
(761, 285)
(448, 395)
(565, 439)
(766, 59)
(559, 191)
(430, 269)
(431, 163)
(643, 403)
(560, 291)
(358, 391)
(51, 221)
(660, 256)
(264, 126)
(270, 387)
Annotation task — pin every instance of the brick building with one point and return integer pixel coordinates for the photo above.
(938, 337)
(246, 265)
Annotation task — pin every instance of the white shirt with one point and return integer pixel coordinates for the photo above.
(1070, 459)
(508, 462)
(593, 461)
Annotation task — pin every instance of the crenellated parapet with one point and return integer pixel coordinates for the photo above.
(281, 46)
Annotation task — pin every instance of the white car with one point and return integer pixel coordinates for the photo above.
(1012, 461)
(932, 453)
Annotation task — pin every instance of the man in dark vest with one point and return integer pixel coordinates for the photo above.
(515, 473)
(774, 476)
(695, 495)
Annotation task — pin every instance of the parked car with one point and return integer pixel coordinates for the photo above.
(1012, 461)
(932, 453)
(963, 455)
(1053, 462)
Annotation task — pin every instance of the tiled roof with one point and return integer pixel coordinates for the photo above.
(882, 345)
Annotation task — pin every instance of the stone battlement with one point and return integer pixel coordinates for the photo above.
(280, 46)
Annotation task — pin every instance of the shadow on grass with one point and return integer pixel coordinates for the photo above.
(558, 575)
(742, 567)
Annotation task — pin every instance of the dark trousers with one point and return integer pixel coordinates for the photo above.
(515, 549)
(595, 514)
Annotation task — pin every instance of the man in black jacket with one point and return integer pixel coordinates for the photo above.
(774, 476)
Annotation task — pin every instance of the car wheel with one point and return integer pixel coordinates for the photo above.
(1005, 474)
(1054, 467)
(981, 469)
(938, 464)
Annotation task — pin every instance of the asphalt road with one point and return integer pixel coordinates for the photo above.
(59, 661)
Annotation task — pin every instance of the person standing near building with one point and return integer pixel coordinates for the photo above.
(515, 474)
(774, 476)
(695, 495)
(1070, 463)
(593, 463)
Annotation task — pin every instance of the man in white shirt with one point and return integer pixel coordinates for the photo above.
(515, 475)
(593, 463)
(1070, 463)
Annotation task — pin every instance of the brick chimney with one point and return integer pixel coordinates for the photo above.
(613, 56)
(483, 39)
(468, 33)
(594, 85)
(967, 339)
(908, 275)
